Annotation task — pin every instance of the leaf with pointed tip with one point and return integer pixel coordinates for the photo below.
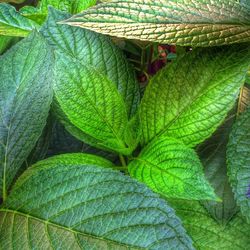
(213, 156)
(172, 169)
(12, 23)
(185, 22)
(191, 104)
(238, 158)
(207, 233)
(76, 201)
(91, 49)
(26, 75)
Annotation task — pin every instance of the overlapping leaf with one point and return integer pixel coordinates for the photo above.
(6, 42)
(238, 156)
(191, 97)
(169, 167)
(12, 23)
(213, 156)
(195, 23)
(25, 96)
(89, 48)
(71, 202)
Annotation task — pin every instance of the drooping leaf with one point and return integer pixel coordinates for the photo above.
(191, 97)
(207, 233)
(77, 202)
(238, 157)
(91, 49)
(25, 97)
(185, 22)
(12, 23)
(170, 168)
(92, 104)
(213, 156)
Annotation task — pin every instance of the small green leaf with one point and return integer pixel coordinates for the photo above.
(191, 97)
(91, 49)
(33, 14)
(12, 23)
(185, 22)
(172, 169)
(92, 104)
(76, 201)
(238, 157)
(213, 156)
(25, 97)
(6, 42)
(207, 233)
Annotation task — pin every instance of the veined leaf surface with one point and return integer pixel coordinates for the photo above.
(207, 233)
(185, 22)
(172, 169)
(77, 202)
(89, 48)
(191, 97)
(238, 157)
(12, 23)
(25, 97)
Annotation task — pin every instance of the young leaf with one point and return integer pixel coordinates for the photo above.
(206, 233)
(25, 97)
(77, 202)
(172, 169)
(92, 104)
(12, 23)
(213, 156)
(195, 23)
(238, 157)
(191, 97)
(91, 49)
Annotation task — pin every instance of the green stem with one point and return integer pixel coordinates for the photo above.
(122, 160)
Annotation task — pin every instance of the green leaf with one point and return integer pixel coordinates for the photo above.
(12, 23)
(207, 233)
(92, 104)
(25, 97)
(213, 156)
(91, 49)
(185, 22)
(6, 42)
(70, 6)
(33, 13)
(71, 202)
(238, 157)
(191, 97)
(172, 169)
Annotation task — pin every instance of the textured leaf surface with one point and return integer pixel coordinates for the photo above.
(70, 202)
(172, 169)
(13, 23)
(209, 235)
(213, 156)
(238, 156)
(25, 97)
(92, 104)
(91, 49)
(185, 22)
(192, 103)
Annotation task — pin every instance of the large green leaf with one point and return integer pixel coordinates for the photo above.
(238, 156)
(206, 233)
(185, 22)
(170, 168)
(91, 49)
(12, 23)
(77, 202)
(25, 97)
(92, 104)
(191, 97)
(213, 156)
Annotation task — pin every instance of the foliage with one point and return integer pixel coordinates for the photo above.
(92, 159)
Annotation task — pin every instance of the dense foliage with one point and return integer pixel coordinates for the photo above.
(140, 140)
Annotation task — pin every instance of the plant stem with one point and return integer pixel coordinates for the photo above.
(122, 160)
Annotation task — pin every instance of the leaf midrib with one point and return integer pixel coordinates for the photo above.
(47, 222)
